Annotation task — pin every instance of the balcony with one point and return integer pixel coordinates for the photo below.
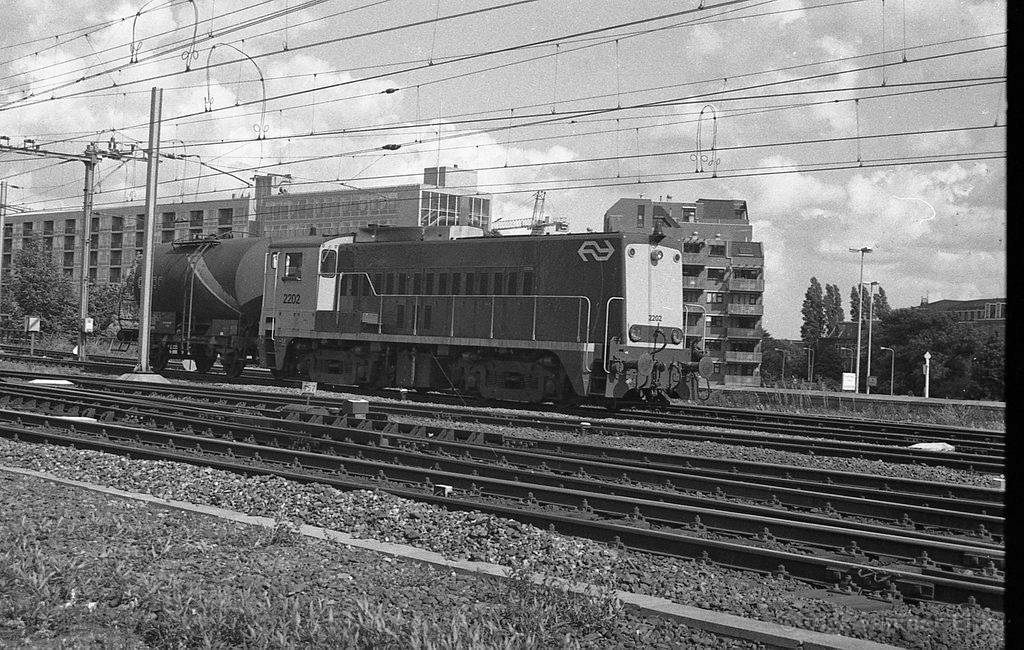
(745, 310)
(746, 284)
(712, 332)
(694, 282)
(742, 380)
(742, 357)
(715, 284)
(745, 333)
(695, 259)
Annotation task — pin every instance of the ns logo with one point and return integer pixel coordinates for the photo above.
(591, 250)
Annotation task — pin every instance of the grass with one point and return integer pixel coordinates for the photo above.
(844, 404)
(132, 577)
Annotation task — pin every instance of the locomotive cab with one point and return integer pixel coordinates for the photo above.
(648, 359)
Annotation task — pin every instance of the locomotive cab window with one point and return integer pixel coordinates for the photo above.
(328, 262)
(292, 266)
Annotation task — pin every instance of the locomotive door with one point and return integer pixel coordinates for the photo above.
(327, 279)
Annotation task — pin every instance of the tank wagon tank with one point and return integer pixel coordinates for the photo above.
(207, 296)
(525, 318)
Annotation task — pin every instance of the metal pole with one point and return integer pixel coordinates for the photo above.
(152, 165)
(3, 226)
(860, 316)
(892, 369)
(927, 371)
(83, 312)
(871, 317)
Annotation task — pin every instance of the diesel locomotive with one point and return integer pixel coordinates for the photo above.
(520, 318)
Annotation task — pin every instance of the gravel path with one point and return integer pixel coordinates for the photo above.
(131, 575)
(475, 536)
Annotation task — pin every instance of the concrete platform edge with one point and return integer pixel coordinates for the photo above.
(730, 625)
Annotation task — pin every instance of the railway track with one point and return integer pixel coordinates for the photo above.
(652, 509)
(975, 450)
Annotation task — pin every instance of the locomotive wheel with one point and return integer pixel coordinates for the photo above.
(233, 364)
(158, 358)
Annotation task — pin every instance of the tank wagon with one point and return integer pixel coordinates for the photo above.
(524, 318)
(207, 296)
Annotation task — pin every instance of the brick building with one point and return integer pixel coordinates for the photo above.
(723, 276)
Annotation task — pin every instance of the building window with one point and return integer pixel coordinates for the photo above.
(115, 258)
(641, 211)
(116, 224)
(47, 227)
(92, 274)
(439, 209)
(195, 219)
(94, 240)
(479, 212)
(692, 247)
(140, 222)
(26, 229)
(140, 239)
(715, 297)
(93, 258)
(716, 250)
(69, 226)
(69, 242)
(116, 240)
(95, 224)
(166, 236)
(115, 274)
(716, 274)
(69, 259)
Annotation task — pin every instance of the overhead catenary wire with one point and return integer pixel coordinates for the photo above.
(618, 156)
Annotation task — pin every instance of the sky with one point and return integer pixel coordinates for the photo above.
(841, 123)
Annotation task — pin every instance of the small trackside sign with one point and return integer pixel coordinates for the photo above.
(595, 251)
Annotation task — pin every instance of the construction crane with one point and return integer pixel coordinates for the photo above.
(538, 223)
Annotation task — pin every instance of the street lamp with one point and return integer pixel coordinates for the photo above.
(860, 309)
(871, 318)
(892, 368)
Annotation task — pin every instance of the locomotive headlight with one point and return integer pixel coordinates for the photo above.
(635, 334)
(656, 255)
(677, 336)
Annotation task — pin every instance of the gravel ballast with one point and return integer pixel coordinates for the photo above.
(476, 536)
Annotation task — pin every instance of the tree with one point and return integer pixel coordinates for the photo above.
(833, 309)
(39, 288)
(965, 364)
(881, 307)
(813, 312)
(104, 304)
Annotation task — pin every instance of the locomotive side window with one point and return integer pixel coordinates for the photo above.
(513, 280)
(499, 284)
(426, 316)
(483, 284)
(428, 287)
(527, 283)
(328, 262)
(293, 266)
(389, 286)
(273, 260)
(469, 284)
(402, 279)
(378, 282)
(442, 284)
(400, 316)
(456, 283)
(417, 283)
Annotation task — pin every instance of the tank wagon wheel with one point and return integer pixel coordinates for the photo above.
(204, 361)
(158, 358)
